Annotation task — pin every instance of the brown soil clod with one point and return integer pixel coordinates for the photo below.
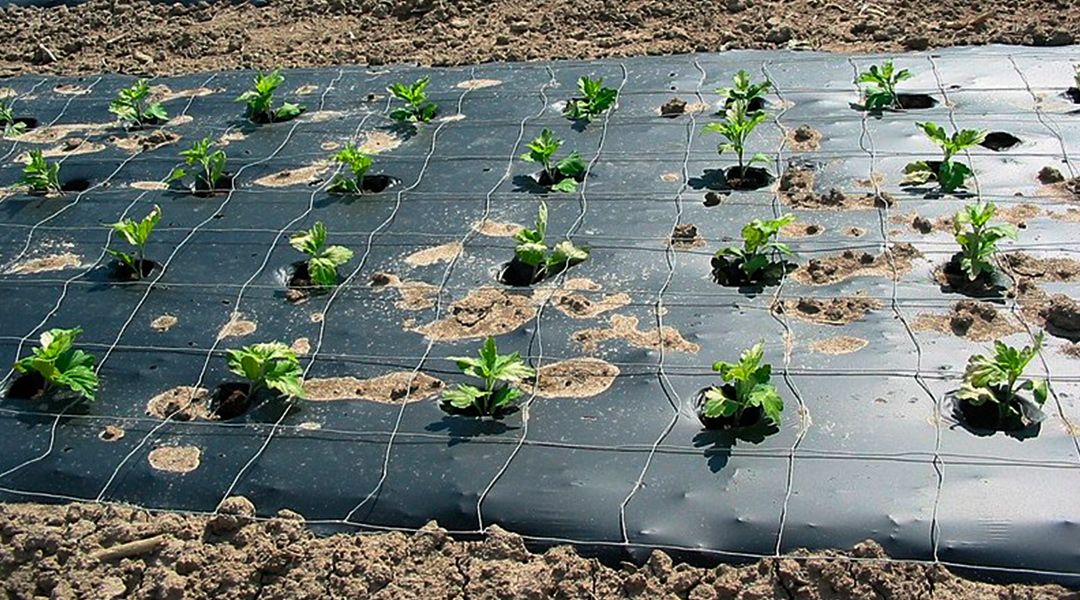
(1050, 176)
(111, 433)
(377, 142)
(852, 263)
(574, 378)
(673, 108)
(44, 264)
(175, 459)
(483, 312)
(182, 403)
(415, 295)
(796, 189)
(622, 327)
(801, 230)
(1059, 314)
(392, 388)
(970, 319)
(163, 322)
(145, 142)
(803, 139)
(477, 84)
(714, 198)
(574, 304)
(686, 237)
(496, 229)
(303, 176)
(843, 344)
(1044, 269)
(434, 255)
(829, 311)
(236, 327)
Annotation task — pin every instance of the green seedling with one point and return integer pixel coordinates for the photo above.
(736, 128)
(997, 379)
(133, 109)
(41, 176)
(563, 175)
(137, 233)
(358, 162)
(209, 164)
(272, 365)
(594, 100)
(500, 374)
(323, 260)
(533, 251)
(60, 364)
(751, 382)
(417, 109)
(759, 248)
(260, 100)
(978, 241)
(882, 82)
(12, 128)
(744, 90)
(949, 175)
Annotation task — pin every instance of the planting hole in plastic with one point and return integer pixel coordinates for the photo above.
(999, 141)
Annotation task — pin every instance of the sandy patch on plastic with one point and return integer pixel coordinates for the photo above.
(175, 459)
(392, 388)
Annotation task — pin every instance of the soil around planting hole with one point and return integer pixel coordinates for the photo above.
(45, 264)
(377, 142)
(970, 319)
(574, 378)
(392, 388)
(796, 189)
(483, 312)
(844, 344)
(830, 311)
(625, 328)
(415, 295)
(437, 254)
(803, 138)
(182, 403)
(853, 263)
(175, 459)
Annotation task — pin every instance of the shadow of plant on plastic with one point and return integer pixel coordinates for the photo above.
(717, 443)
(462, 428)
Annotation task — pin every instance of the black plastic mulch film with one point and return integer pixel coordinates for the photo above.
(868, 447)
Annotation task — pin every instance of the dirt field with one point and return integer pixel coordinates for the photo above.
(90, 551)
(136, 36)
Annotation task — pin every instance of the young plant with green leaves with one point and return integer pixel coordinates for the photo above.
(997, 378)
(750, 387)
(260, 100)
(417, 109)
(271, 365)
(563, 175)
(40, 176)
(12, 128)
(133, 108)
(595, 99)
(745, 91)
(881, 93)
(358, 163)
(323, 261)
(534, 252)
(978, 239)
(137, 234)
(500, 374)
(950, 175)
(736, 127)
(60, 364)
(760, 248)
(204, 164)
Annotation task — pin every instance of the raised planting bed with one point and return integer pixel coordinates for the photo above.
(382, 253)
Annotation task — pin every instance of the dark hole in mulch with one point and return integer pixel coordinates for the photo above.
(28, 386)
(749, 178)
(223, 185)
(28, 122)
(916, 101)
(230, 399)
(1073, 94)
(519, 274)
(76, 185)
(727, 272)
(123, 272)
(999, 141)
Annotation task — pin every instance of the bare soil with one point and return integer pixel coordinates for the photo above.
(391, 388)
(107, 552)
(830, 311)
(850, 263)
(796, 188)
(575, 378)
(844, 344)
(622, 327)
(483, 312)
(971, 319)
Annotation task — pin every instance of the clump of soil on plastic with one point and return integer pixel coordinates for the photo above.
(144, 142)
(163, 323)
(52, 134)
(300, 346)
(175, 459)
(392, 388)
(111, 433)
(1044, 269)
(625, 328)
(236, 327)
(1050, 176)
(415, 295)
(290, 177)
(477, 84)
(163, 93)
(572, 303)
(44, 264)
(149, 185)
(686, 237)
(796, 189)
(970, 319)
(187, 402)
(434, 255)
(803, 138)
(228, 137)
(574, 378)
(377, 142)
(830, 311)
(853, 263)
(1071, 350)
(483, 312)
(67, 147)
(844, 344)
(799, 229)
(1059, 314)
(496, 229)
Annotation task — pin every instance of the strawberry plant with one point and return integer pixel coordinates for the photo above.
(500, 374)
(60, 364)
(417, 109)
(978, 241)
(736, 128)
(747, 387)
(12, 128)
(561, 176)
(352, 157)
(323, 260)
(882, 82)
(949, 175)
(209, 166)
(758, 255)
(137, 233)
(745, 91)
(271, 366)
(995, 380)
(132, 108)
(595, 99)
(260, 100)
(535, 259)
(41, 176)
